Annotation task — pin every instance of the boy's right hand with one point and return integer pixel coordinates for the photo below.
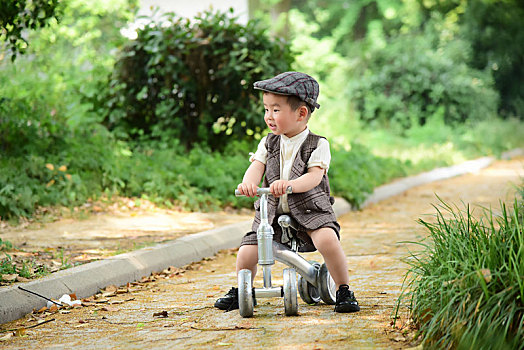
(247, 189)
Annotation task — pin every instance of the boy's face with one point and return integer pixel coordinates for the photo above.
(281, 118)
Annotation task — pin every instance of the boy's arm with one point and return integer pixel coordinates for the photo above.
(302, 184)
(252, 179)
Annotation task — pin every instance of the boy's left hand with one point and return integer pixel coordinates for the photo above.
(279, 187)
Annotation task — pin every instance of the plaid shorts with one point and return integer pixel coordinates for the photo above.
(305, 243)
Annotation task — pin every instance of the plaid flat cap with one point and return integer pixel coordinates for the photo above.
(292, 83)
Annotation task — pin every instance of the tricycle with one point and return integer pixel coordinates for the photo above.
(314, 281)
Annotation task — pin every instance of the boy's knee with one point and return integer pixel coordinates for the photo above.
(248, 252)
(327, 232)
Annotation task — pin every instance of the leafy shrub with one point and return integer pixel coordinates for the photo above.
(408, 81)
(192, 80)
(19, 16)
(466, 286)
(67, 175)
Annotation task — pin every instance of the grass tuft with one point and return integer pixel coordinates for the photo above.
(466, 286)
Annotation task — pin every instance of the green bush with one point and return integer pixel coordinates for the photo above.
(408, 82)
(199, 179)
(68, 175)
(466, 287)
(193, 81)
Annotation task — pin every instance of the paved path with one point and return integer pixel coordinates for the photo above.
(371, 239)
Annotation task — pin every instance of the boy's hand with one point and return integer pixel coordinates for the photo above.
(279, 187)
(247, 189)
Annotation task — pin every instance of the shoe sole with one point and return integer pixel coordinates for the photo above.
(348, 309)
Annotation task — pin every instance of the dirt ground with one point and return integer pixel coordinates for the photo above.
(175, 308)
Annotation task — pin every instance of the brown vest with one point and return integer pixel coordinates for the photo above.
(311, 209)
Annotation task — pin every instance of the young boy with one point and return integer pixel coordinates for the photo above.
(293, 156)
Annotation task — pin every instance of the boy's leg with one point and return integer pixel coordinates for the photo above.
(247, 258)
(327, 243)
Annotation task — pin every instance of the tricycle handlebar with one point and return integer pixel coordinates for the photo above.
(263, 190)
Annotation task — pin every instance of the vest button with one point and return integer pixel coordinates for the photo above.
(308, 211)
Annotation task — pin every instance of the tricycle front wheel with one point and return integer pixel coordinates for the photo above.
(245, 293)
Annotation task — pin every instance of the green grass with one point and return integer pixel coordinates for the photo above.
(26, 269)
(466, 286)
(5, 245)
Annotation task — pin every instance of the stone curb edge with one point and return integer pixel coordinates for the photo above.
(88, 279)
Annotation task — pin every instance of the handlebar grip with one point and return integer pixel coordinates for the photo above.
(264, 190)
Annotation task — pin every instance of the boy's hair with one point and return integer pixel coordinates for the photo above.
(295, 103)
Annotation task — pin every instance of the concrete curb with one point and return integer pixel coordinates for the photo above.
(88, 279)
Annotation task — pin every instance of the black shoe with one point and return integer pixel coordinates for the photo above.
(230, 301)
(346, 301)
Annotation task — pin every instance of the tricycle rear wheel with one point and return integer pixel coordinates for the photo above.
(327, 287)
(290, 292)
(307, 291)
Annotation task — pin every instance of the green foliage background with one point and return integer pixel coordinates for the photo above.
(171, 116)
(192, 80)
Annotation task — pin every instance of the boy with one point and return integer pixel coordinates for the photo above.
(292, 156)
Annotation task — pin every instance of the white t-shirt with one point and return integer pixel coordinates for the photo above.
(289, 148)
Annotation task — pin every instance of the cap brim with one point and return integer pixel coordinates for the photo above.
(273, 92)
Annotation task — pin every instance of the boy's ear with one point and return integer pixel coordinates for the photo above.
(302, 112)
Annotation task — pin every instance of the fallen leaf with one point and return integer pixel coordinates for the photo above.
(7, 336)
(160, 314)
(53, 308)
(111, 289)
(10, 277)
(399, 338)
(20, 332)
(109, 308)
(22, 279)
(486, 273)
(43, 309)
